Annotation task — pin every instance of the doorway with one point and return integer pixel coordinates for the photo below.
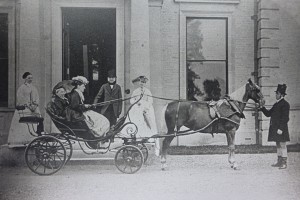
(89, 45)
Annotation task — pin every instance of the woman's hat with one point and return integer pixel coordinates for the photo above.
(140, 78)
(66, 84)
(80, 79)
(111, 73)
(281, 88)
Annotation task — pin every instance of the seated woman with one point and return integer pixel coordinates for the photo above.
(77, 110)
(60, 102)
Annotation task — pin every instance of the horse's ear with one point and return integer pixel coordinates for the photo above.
(250, 81)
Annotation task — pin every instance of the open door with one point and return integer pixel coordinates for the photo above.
(89, 45)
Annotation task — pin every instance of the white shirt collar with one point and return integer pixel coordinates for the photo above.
(279, 99)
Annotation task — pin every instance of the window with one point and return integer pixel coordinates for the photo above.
(206, 54)
(4, 59)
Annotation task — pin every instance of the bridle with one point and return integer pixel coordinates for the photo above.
(256, 88)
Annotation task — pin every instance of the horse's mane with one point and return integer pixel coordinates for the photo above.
(238, 93)
(212, 90)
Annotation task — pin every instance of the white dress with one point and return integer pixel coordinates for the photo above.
(142, 113)
(18, 133)
(97, 122)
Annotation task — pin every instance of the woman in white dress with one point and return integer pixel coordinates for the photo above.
(142, 113)
(27, 95)
(77, 110)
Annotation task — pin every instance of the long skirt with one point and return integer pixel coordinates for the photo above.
(97, 122)
(144, 119)
(19, 134)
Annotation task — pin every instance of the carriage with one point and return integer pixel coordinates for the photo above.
(49, 152)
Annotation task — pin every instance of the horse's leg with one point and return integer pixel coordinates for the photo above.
(165, 146)
(231, 146)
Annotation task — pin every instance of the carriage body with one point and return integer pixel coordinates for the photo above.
(49, 152)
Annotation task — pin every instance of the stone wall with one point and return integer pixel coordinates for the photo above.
(278, 39)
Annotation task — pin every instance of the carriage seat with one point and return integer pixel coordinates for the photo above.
(31, 119)
(79, 128)
(28, 118)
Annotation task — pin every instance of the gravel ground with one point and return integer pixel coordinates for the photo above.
(188, 177)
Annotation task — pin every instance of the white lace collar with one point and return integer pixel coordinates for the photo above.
(80, 94)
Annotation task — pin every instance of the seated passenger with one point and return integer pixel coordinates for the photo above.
(60, 102)
(77, 110)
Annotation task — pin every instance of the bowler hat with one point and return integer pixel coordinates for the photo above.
(281, 88)
(111, 73)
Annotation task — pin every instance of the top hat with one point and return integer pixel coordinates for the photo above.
(281, 88)
(111, 73)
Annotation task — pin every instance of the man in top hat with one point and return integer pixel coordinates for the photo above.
(108, 92)
(278, 131)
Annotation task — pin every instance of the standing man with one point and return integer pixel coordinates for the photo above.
(278, 131)
(110, 91)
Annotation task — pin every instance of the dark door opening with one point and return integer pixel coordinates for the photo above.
(89, 45)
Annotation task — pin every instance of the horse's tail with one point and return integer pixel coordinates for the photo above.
(163, 125)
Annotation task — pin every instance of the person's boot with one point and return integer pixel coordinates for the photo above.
(283, 163)
(279, 161)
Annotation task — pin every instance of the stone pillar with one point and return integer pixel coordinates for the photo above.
(139, 39)
(268, 56)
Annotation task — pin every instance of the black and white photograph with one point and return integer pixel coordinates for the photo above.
(149, 99)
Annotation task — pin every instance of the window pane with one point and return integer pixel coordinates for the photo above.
(198, 72)
(206, 39)
(4, 59)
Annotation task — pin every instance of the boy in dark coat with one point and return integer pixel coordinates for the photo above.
(110, 91)
(278, 131)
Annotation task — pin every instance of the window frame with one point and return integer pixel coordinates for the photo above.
(204, 11)
(207, 60)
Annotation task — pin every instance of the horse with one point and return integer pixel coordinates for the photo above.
(196, 117)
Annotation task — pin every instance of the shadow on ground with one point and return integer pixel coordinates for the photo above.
(216, 149)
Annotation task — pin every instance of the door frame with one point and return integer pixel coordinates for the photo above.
(57, 41)
(9, 9)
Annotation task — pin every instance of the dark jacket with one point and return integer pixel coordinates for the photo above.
(279, 114)
(59, 106)
(74, 111)
(108, 94)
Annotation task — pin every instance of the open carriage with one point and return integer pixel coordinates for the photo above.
(49, 152)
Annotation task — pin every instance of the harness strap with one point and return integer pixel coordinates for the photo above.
(176, 119)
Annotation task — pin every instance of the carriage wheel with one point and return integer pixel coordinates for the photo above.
(144, 150)
(129, 159)
(68, 146)
(45, 155)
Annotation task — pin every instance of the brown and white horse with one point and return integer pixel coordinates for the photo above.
(195, 116)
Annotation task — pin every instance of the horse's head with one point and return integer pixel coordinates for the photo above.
(253, 92)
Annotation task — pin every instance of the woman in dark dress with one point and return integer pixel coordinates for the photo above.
(77, 110)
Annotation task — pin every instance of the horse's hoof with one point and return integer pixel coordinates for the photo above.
(164, 167)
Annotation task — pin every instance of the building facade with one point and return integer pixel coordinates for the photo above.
(165, 40)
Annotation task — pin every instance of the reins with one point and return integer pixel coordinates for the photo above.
(184, 100)
(114, 100)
